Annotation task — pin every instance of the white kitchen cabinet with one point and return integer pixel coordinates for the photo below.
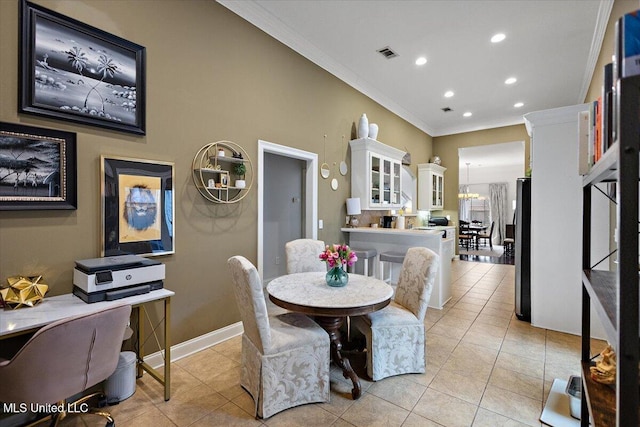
(430, 186)
(375, 174)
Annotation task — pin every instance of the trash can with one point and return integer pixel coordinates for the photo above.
(122, 383)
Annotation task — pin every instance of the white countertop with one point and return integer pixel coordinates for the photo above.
(435, 231)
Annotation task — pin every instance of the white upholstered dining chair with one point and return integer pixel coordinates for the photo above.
(285, 358)
(303, 256)
(395, 335)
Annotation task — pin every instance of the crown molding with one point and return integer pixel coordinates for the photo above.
(604, 12)
(258, 16)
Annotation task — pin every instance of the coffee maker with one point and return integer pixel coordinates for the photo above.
(386, 221)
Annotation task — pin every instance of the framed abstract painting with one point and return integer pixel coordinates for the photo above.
(137, 207)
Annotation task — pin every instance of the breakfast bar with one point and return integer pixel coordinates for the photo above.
(439, 239)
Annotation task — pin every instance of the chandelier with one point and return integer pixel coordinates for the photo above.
(466, 195)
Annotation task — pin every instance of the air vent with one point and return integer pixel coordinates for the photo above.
(446, 109)
(387, 52)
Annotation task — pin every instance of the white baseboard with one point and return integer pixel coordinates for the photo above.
(194, 345)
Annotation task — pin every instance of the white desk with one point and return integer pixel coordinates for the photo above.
(51, 309)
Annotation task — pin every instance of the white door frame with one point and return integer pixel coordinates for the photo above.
(311, 191)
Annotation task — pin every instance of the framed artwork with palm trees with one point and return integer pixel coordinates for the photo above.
(72, 71)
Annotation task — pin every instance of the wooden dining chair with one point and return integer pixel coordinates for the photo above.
(485, 236)
(509, 239)
(465, 236)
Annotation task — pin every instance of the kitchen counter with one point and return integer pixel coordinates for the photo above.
(393, 239)
(415, 231)
(395, 231)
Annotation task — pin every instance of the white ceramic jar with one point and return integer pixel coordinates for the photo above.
(373, 131)
(363, 126)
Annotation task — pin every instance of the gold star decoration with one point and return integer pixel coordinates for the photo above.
(23, 291)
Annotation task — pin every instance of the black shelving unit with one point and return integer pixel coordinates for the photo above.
(614, 295)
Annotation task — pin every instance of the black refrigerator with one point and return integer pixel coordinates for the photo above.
(523, 249)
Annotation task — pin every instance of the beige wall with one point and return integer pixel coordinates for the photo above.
(620, 7)
(210, 76)
(447, 148)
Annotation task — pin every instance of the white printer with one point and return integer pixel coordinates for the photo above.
(115, 277)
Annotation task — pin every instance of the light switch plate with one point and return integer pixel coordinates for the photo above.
(320, 224)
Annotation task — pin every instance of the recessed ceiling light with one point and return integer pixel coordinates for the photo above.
(467, 114)
(421, 61)
(497, 38)
(448, 94)
(510, 81)
(518, 104)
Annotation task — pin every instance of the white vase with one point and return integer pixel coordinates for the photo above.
(373, 131)
(240, 183)
(363, 127)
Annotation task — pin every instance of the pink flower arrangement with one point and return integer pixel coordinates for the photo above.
(338, 255)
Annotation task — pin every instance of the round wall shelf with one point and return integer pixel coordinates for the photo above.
(222, 172)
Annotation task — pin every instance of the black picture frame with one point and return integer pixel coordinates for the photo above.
(38, 168)
(137, 206)
(75, 72)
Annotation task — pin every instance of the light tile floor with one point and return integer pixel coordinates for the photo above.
(485, 368)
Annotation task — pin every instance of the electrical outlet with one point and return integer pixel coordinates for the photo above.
(277, 260)
(320, 224)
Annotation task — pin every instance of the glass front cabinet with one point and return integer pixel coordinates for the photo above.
(430, 186)
(375, 174)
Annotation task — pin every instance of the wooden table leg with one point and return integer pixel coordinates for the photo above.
(332, 326)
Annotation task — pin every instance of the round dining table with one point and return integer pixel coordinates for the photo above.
(309, 293)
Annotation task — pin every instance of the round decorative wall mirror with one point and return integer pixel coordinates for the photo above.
(325, 171)
(343, 165)
(343, 168)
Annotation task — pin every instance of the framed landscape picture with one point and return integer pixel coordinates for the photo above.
(72, 71)
(137, 207)
(37, 168)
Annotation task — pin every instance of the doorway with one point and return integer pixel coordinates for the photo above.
(487, 193)
(287, 203)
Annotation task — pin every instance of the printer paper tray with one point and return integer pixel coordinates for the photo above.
(115, 294)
